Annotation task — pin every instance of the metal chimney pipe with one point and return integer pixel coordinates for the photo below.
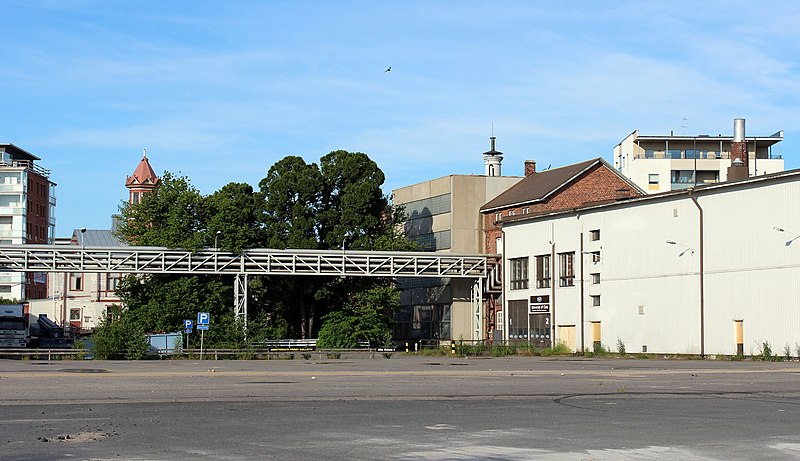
(738, 130)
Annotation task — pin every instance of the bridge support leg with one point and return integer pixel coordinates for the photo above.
(477, 309)
(240, 298)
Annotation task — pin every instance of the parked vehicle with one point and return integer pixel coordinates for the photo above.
(13, 326)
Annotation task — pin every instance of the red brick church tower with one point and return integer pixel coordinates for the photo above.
(143, 181)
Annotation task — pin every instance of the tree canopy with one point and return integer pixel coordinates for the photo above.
(335, 204)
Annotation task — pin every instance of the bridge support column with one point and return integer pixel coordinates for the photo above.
(477, 309)
(240, 298)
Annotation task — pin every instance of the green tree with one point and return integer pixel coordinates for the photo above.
(233, 214)
(169, 217)
(367, 317)
(160, 302)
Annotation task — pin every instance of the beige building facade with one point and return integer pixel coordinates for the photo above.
(443, 216)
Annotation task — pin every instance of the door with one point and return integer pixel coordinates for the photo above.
(566, 335)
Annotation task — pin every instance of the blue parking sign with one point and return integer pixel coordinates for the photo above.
(203, 318)
(187, 324)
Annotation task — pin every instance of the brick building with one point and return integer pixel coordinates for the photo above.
(572, 186)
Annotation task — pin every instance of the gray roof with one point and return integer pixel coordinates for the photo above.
(96, 238)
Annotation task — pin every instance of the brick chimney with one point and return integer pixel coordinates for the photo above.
(530, 167)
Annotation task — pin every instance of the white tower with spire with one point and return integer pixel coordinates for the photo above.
(492, 160)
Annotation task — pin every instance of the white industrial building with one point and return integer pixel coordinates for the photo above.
(708, 270)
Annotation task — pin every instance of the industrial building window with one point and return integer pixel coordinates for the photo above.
(594, 235)
(595, 300)
(543, 271)
(595, 279)
(76, 282)
(652, 178)
(566, 265)
(519, 273)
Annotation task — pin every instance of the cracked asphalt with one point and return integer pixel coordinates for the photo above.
(406, 407)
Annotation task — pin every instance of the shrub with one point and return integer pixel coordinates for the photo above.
(560, 348)
(120, 338)
(620, 347)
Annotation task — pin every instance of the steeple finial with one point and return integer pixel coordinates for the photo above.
(144, 154)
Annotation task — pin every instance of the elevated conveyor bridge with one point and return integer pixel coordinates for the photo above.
(260, 261)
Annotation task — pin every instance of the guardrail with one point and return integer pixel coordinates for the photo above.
(263, 353)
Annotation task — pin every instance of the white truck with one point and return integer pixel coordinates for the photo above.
(13, 326)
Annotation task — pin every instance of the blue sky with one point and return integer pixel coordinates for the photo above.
(220, 91)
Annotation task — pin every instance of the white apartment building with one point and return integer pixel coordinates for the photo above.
(27, 215)
(666, 163)
(707, 270)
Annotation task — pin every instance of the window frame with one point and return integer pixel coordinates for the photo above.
(518, 268)
(566, 269)
(543, 276)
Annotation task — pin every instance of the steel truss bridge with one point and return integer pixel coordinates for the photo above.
(154, 260)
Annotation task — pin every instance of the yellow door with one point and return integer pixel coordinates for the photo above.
(566, 334)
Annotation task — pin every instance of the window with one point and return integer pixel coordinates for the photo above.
(76, 282)
(136, 197)
(526, 210)
(652, 178)
(543, 271)
(595, 256)
(594, 235)
(674, 153)
(75, 314)
(595, 300)
(112, 281)
(498, 216)
(519, 273)
(692, 153)
(595, 279)
(512, 212)
(566, 264)
(498, 245)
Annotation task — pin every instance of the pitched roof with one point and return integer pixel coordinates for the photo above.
(144, 174)
(540, 186)
(96, 238)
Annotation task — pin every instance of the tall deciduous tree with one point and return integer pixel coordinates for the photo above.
(169, 217)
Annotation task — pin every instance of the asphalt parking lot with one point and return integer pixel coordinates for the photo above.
(406, 407)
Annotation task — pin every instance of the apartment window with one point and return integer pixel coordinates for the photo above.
(526, 210)
(75, 314)
(595, 300)
(498, 216)
(595, 279)
(519, 273)
(76, 282)
(652, 178)
(595, 256)
(566, 264)
(594, 235)
(512, 212)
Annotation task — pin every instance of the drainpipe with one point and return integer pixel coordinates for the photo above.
(503, 285)
(581, 256)
(553, 289)
(702, 291)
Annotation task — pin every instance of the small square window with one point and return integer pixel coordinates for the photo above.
(594, 235)
(74, 314)
(595, 279)
(652, 178)
(595, 300)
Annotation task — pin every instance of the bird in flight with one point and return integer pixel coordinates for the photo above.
(388, 70)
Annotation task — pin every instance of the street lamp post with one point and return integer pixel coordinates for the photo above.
(788, 242)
